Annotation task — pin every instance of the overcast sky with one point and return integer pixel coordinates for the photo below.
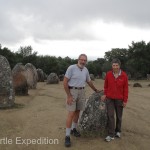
(71, 27)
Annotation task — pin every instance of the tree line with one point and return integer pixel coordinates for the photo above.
(135, 60)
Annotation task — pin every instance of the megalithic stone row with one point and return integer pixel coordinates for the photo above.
(20, 79)
(61, 77)
(92, 77)
(7, 95)
(41, 75)
(32, 76)
(93, 120)
(52, 79)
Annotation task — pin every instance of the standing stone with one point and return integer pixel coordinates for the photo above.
(52, 79)
(92, 77)
(32, 76)
(129, 75)
(20, 79)
(41, 75)
(61, 77)
(137, 85)
(45, 76)
(103, 75)
(93, 120)
(7, 96)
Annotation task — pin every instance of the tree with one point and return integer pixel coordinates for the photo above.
(106, 66)
(48, 64)
(26, 51)
(121, 54)
(98, 66)
(10, 56)
(91, 67)
(139, 58)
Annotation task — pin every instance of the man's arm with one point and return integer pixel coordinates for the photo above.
(90, 83)
(65, 83)
(69, 96)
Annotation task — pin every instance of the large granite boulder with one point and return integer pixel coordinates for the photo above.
(61, 77)
(93, 120)
(41, 75)
(32, 76)
(129, 75)
(148, 76)
(52, 79)
(20, 79)
(7, 96)
(137, 85)
(103, 75)
(92, 77)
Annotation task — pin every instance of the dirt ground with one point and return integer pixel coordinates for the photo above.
(42, 114)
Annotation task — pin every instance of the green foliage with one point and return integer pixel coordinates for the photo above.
(134, 60)
(139, 58)
(106, 66)
(91, 67)
(95, 67)
(9, 55)
(121, 54)
(26, 51)
(99, 65)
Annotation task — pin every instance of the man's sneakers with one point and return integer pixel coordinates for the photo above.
(118, 135)
(109, 138)
(67, 141)
(67, 138)
(75, 133)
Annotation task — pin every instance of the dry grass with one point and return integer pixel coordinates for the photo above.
(43, 114)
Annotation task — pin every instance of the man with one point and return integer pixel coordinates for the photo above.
(74, 82)
(116, 96)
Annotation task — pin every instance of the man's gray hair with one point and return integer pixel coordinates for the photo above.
(82, 55)
(116, 60)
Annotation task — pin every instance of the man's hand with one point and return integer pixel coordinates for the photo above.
(97, 91)
(69, 100)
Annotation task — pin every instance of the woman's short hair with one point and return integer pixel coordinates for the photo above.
(116, 60)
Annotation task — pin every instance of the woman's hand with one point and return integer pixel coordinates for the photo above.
(103, 98)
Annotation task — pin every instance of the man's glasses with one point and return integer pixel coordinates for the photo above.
(83, 60)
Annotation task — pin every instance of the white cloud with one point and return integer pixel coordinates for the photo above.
(69, 27)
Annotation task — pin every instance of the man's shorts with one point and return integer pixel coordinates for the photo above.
(78, 100)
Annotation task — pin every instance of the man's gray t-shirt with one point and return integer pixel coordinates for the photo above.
(77, 77)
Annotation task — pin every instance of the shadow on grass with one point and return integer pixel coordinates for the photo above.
(93, 134)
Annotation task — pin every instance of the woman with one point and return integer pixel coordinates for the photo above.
(116, 96)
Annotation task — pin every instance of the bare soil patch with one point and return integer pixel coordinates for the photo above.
(42, 114)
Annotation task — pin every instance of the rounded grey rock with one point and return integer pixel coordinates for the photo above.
(7, 95)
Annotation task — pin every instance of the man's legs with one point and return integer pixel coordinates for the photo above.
(68, 127)
(74, 124)
(76, 116)
(80, 104)
(73, 116)
(70, 117)
(75, 119)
